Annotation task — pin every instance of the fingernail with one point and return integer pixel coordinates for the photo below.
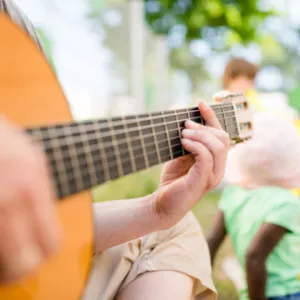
(186, 141)
(187, 132)
(189, 122)
(204, 104)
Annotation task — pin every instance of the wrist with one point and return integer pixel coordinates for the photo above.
(162, 218)
(151, 216)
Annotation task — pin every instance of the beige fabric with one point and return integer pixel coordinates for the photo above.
(181, 248)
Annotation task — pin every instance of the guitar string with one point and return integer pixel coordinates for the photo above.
(167, 156)
(41, 135)
(110, 166)
(102, 166)
(98, 164)
(152, 163)
(98, 126)
(121, 143)
(148, 117)
(73, 179)
(91, 139)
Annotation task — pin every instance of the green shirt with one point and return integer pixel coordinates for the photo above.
(245, 211)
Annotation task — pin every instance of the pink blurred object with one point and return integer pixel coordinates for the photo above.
(271, 157)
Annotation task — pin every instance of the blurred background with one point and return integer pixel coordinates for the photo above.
(117, 57)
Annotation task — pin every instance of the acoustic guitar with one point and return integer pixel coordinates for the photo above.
(85, 154)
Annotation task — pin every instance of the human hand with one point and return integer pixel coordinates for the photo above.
(184, 181)
(28, 226)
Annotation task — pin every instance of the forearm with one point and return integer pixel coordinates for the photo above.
(120, 221)
(256, 278)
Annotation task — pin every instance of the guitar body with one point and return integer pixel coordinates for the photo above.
(30, 95)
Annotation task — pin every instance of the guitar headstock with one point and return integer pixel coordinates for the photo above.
(242, 112)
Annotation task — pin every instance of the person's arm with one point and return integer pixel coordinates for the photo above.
(120, 221)
(217, 235)
(265, 240)
(184, 181)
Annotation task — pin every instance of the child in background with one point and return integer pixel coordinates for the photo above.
(259, 212)
(240, 75)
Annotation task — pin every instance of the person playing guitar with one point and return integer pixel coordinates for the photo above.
(151, 246)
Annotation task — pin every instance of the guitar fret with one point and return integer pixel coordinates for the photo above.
(101, 152)
(88, 157)
(179, 131)
(71, 149)
(155, 141)
(142, 142)
(116, 150)
(131, 154)
(92, 152)
(189, 116)
(59, 169)
(167, 133)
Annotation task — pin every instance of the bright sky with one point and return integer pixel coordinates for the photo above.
(79, 57)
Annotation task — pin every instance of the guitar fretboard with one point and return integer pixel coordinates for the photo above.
(85, 154)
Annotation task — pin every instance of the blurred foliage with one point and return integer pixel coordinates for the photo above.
(221, 23)
(96, 5)
(294, 97)
(238, 19)
(131, 186)
(46, 44)
(182, 58)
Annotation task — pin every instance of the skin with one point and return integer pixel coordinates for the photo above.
(240, 84)
(167, 285)
(28, 222)
(263, 243)
(266, 239)
(183, 183)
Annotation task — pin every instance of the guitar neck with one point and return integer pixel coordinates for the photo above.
(85, 154)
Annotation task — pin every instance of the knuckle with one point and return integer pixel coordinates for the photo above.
(217, 181)
(224, 137)
(220, 147)
(211, 183)
(201, 149)
(199, 133)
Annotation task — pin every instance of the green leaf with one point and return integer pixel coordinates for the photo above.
(214, 8)
(233, 38)
(197, 20)
(271, 49)
(233, 16)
